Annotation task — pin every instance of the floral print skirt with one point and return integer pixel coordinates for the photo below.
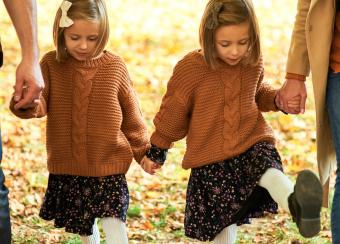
(227, 192)
(75, 201)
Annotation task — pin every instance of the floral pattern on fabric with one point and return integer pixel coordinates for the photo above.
(157, 155)
(75, 201)
(227, 192)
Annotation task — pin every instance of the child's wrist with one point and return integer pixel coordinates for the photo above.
(277, 106)
(156, 154)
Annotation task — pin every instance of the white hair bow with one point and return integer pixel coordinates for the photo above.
(65, 21)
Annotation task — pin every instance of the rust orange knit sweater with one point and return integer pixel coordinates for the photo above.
(219, 111)
(94, 124)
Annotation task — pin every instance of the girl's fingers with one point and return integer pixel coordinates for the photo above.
(156, 166)
(149, 166)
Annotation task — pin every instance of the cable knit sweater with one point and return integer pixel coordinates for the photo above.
(218, 111)
(94, 124)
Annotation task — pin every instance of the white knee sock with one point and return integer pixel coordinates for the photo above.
(94, 238)
(278, 185)
(115, 231)
(227, 235)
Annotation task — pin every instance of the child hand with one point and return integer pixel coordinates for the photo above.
(149, 166)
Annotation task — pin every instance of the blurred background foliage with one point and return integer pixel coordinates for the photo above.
(152, 36)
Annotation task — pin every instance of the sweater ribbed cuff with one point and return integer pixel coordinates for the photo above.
(138, 156)
(159, 141)
(270, 100)
(295, 77)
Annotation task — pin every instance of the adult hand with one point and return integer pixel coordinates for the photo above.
(291, 90)
(29, 84)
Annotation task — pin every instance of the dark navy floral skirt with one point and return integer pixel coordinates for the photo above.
(227, 192)
(75, 201)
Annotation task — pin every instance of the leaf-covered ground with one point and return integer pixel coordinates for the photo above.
(151, 36)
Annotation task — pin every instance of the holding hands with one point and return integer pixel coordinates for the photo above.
(149, 166)
(291, 98)
(28, 86)
(154, 159)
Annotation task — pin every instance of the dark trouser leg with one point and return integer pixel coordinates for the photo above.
(333, 108)
(5, 225)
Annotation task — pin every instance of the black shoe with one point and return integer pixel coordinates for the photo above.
(305, 203)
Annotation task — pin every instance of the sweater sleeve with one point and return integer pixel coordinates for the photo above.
(133, 125)
(40, 110)
(265, 96)
(172, 120)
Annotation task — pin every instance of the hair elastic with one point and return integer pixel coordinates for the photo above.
(215, 10)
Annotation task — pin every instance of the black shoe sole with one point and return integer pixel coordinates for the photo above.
(308, 193)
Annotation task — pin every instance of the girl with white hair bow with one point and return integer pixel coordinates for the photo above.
(94, 126)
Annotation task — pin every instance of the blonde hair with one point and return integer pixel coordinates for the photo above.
(91, 10)
(223, 13)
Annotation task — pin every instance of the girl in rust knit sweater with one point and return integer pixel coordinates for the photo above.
(94, 125)
(215, 98)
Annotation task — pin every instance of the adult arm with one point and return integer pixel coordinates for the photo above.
(297, 63)
(39, 106)
(23, 14)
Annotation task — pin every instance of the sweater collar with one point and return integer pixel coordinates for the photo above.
(222, 65)
(91, 63)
